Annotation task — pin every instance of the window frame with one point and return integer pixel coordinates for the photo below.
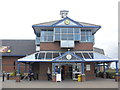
(68, 34)
(48, 35)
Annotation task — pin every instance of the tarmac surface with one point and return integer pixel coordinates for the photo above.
(97, 83)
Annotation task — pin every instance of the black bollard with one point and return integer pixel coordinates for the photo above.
(8, 76)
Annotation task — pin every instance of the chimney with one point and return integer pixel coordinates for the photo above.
(64, 13)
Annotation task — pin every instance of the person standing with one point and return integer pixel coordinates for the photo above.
(3, 76)
(49, 74)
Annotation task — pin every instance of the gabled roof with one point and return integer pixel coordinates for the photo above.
(54, 24)
(67, 18)
(77, 58)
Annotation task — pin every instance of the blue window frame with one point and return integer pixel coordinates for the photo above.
(67, 34)
(86, 36)
(46, 36)
(37, 41)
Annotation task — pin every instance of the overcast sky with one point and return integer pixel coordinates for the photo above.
(18, 16)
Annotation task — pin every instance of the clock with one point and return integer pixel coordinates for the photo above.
(68, 56)
(67, 22)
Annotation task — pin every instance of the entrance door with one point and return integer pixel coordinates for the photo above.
(66, 72)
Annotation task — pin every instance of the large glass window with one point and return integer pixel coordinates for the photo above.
(86, 36)
(67, 34)
(37, 41)
(46, 36)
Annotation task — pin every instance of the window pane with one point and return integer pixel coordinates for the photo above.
(64, 30)
(42, 33)
(83, 38)
(83, 32)
(57, 30)
(50, 38)
(55, 55)
(70, 37)
(41, 56)
(48, 55)
(70, 30)
(86, 55)
(38, 34)
(42, 39)
(79, 54)
(57, 36)
(76, 30)
(89, 33)
(45, 38)
(63, 36)
(77, 37)
(91, 54)
(37, 41)
(49, 33)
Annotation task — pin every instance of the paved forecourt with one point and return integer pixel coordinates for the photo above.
(97, 83)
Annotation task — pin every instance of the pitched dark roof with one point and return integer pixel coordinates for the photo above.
(53, 22)
(19, 47)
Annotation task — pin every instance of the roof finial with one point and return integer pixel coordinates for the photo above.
(64, 13)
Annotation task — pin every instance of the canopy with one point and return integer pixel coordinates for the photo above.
(59, 56)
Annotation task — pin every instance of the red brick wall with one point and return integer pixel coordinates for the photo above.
(7, 63)
(36, 67)
(90, 74)
(56, 46)
(43, 70)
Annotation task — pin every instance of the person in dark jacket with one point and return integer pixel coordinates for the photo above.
(31, 76)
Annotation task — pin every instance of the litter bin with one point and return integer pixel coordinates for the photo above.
(79, 78)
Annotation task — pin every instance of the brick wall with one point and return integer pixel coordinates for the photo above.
(90, 74)
(7, 63)
(56, 46)
(43, 70)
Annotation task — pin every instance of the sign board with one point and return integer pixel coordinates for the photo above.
(58, 77)
(5, 49)
(87, 67)
(67, 43)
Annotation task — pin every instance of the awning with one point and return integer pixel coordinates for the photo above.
(59, 56)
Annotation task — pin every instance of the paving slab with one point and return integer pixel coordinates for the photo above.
(97, 83)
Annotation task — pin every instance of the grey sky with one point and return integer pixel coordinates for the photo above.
(18, 16)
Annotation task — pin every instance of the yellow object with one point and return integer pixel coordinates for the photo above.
(9, 50)
(79, 78)
(12, 74)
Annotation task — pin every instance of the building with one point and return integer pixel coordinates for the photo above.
(13, 50)
(65, 47)
(19, 49)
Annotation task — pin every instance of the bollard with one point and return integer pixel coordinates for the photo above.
(18, 78)
(79, 78)
(8, 76)
(54, 78)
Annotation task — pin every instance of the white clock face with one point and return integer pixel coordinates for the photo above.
(68, 56)
(67, 22)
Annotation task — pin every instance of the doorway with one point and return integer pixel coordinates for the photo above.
(66, 72)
